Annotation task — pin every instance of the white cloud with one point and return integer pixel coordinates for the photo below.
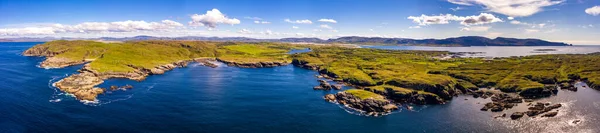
(317, 30)
(513, 8)
(593, 10)
(327, 20)
(510, 18)
(253, 18)
(295, 27)
(261, 22)
(414, 27)
(27, 31)
(334, 31)
(324, 26)
(541, 25)
(245, 31)
(531, 30)
(93, 27)
(299, 34)
(211, 19)
(483, 18)
(457, 8)
(476, 28)
(306, 21)
(518, 22)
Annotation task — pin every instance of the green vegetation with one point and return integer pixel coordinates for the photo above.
(399, 72)
(248, 53)
(120, 57)
(371, 67)
(363, 94)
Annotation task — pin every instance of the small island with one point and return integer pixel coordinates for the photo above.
(382, 79)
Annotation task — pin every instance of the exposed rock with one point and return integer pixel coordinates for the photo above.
(370, 106)
(329, 97)
(550, 114)
(156, 71)
(304, 64)
(206, 62)
(253, 64)
(81, 85)
(60, 62)
(337, 87)
(113, 87)
(539, 92)
(516, 115)
(567, 86)
(318, 88)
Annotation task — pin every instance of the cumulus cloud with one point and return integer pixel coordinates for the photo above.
(306, 21)
(327, 20)
(261, 22)
(93, 27)
(513, 8)
(324, 26)
(510, 18)
(211, 19)
(476, 28)
(593, 10)
(483, 18)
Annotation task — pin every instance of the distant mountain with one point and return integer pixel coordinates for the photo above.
(457, 41)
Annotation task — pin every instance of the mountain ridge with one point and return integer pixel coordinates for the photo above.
(453, 41)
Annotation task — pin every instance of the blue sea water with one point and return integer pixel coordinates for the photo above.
(231, 99)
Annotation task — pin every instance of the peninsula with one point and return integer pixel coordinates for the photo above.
(382, 78)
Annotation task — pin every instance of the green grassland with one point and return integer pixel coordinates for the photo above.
(363, 94)
(119, 57)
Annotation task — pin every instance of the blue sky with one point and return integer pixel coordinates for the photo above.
(572, 21)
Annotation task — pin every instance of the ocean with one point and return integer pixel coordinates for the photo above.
(231, 99)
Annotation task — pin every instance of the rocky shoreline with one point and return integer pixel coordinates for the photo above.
(253, 64)
(83, 85)
(369, 107)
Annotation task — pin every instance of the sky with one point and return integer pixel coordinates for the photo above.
(570, 21)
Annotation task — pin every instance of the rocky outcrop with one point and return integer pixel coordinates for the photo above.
(41, 51)
(329, 97)
(304, 64)
(323, 85)
(500, 100)
(545, 91)
(541, 108)
(517, 115)
(206, 62)
(254, 64)
(60, 62)
(567, 86)
(81, 85)
(370, 106)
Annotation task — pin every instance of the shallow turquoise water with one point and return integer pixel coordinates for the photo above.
(230, 99)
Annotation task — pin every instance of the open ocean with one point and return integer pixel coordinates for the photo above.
(230, 99)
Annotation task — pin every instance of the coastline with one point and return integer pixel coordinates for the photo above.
(89, 74)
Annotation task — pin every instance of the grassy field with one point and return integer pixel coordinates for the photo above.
(118, 57)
